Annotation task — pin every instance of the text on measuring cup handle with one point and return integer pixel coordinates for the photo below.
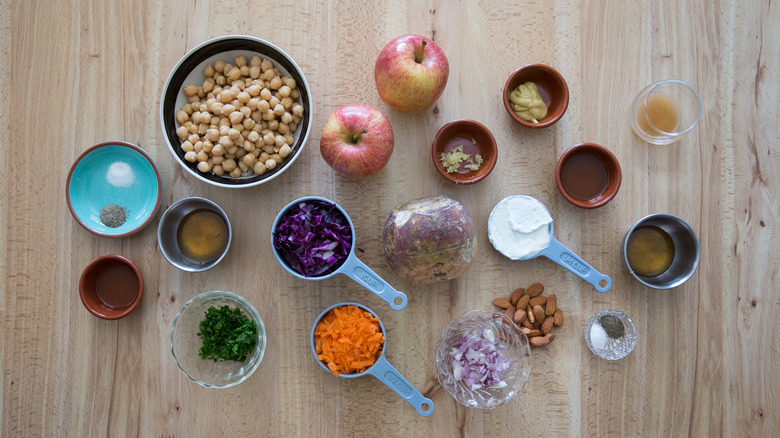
(574, 263)
(369, 279)
(398, 384)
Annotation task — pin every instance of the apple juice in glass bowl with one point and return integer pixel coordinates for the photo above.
(483, 359)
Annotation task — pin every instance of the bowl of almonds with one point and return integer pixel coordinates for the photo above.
(236, 111)
(536, 315)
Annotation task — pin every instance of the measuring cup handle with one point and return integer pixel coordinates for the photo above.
(358, 271)
(566, 258)
(388, 375)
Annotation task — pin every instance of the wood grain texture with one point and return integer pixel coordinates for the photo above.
(707, 359)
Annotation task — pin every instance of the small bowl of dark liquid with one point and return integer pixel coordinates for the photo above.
(588, 175)
(194, 234)
(111, 287)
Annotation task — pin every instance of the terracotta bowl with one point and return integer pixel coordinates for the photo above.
(588, 175)
(552, 87)
(475, 138)
(111, 287)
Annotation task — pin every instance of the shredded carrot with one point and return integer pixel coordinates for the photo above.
(348, 340)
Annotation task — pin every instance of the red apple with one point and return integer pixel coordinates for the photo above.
(357, 141)
(411, 73)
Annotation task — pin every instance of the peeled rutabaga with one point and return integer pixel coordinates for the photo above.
(429, 240)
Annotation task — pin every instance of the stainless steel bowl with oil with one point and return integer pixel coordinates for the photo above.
(169, 236)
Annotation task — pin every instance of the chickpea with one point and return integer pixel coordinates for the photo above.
(242, 166)
(259, 168)
(284, 151)
(249, 146)
(279, 141)
(284, 90)
(236, 117)
(288, 139)
(190, 90)
(229, 165)
(273, 101)
(241, 61)
(224, 121)
(269, 149)
(268, 138)
(265, 93)
(298, 110)
(181, 116)
(193, 99)
(227, 109)
(208, 147)
(226, 142)
(249, 160)
(208, 71)
(214, 121)
(233, 134)
(187, 146)
(235, 173)
(204, 167)
(191, 156)
(244, 70)
(254, 71)
(283, 129)
(192, 128)
(253, 136)
(240, 154)
(208, 85)
(197, 147)
(276, 157)
(268, 75)
(287, 103)
(295, 93)
(276, 83)
(218, 150)
(212, 134)
(232, 150)
(218, 159)
(264, 156)
(273, 124)
(269, 115)
(202, 156)
(286, 117)
(263, 106)
(248, 123)
(293, 126)
(182, 132)
(216, 107)
(217, 170)
(270, 164)
(278, 110)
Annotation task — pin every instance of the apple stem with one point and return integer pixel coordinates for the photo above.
(357, 136)
(418, 57)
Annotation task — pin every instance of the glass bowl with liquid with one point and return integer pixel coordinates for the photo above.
(665, 111)
(661, 251)
(194, 234)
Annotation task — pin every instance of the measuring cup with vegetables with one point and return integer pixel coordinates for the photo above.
(313, 238)
(348, 340)
(521, 228)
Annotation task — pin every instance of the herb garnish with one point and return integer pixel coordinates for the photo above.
(227, 335)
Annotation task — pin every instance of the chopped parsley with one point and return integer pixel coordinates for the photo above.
(227, 335)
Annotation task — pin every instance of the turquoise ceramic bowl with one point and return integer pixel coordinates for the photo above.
(135, 185)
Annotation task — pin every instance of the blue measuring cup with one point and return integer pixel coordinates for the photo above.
(558, 253)
(381, 369)
(351, 267)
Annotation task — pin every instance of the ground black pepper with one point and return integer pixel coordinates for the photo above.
(113, 215)
(613, 326)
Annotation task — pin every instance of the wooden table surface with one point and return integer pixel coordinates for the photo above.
(707, 358)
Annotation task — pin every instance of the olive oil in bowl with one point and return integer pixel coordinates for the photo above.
(650, 251)
(202, 235)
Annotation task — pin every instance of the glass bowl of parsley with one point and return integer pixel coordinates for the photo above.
(218, 339)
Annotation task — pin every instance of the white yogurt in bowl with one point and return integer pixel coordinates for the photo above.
(519, 227)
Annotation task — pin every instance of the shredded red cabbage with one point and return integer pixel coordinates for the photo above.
(313, 238)
(477, 360)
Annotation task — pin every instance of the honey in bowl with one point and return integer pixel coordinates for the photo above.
(650, 251)
(202, 235)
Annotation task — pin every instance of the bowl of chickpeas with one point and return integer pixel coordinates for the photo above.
(236, 111)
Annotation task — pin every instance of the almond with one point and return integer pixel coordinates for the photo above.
(535, 290)
(509, 312)
(516, 296)
(537, 301)
(526, 330)
(538, 312)
(558, 318)
(519, 316)
(527, 324)
(552, 305)
(522, 303)
(531, 316)
(547, 325)
(550, 336)
(502, 303)
(538, 341)
(534, 333)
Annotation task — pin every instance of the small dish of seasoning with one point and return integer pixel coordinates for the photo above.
(194, 234)
(111, 287)
(464, 151)
(588, 175)
(610, 334)
(536, 96)
(114, 189)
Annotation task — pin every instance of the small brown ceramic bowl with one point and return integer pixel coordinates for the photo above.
(552, 88)
(476, 139)
(588, 175)
(111, 287)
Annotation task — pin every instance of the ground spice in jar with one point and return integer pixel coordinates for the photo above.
(113, 215)
(613, 326)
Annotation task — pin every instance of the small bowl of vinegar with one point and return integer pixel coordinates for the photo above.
(194, 234)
